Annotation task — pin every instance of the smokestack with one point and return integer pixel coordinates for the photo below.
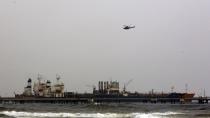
(29, 83)
(102, 86)
(99, 87)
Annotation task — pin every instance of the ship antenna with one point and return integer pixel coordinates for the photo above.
(204, 93)
(186, 88)
(172, 89)
(39, 78)
(58, 78)
(110, 79)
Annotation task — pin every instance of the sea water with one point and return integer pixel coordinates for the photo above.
(105, 110)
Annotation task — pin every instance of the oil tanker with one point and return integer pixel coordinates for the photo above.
(107, 91)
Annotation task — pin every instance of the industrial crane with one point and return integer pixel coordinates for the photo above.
(126, 84)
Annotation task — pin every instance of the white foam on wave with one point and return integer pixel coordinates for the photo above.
(155, 115)
(87, 115)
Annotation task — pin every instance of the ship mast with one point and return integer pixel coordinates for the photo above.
(186, 88)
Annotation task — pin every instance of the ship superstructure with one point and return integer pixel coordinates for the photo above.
(28, 89)
(106, 87)
(43, 89)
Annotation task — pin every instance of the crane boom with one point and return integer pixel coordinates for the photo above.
(126, 84)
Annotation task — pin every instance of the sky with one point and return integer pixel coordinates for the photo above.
(83, 41)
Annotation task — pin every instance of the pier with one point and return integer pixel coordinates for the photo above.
(42, 100)
(62, 100)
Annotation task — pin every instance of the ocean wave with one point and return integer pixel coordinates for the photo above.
(18, 114)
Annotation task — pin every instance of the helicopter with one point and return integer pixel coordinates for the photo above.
(127, 27)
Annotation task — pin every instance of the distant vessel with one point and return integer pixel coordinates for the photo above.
(106, 92)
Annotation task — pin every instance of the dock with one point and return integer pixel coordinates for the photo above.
(42, 100)
(62, 100)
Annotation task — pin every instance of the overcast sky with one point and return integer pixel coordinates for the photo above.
(83, 41)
